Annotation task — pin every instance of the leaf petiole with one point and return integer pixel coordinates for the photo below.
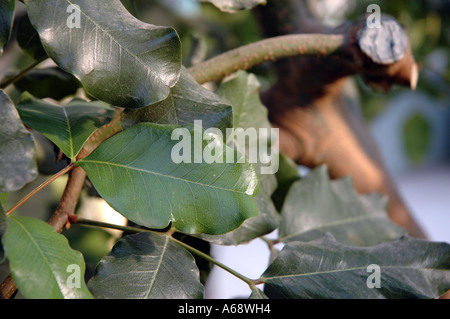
(252, 283)
(40, 187)
(22, 73)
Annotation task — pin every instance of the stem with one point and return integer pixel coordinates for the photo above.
(22, 73)
(252, 283)
(69, 199)
(76, 220)
(101, 135)
(274, 48)
(40, 187)
(7, 288)
(88, 222)
(271, 243)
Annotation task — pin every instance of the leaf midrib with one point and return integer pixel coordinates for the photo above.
(265, 279)
(166, 244)
(163, 175)
(69, 129)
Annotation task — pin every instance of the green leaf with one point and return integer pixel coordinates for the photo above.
(7, 10)
(4, 198)
(250, 116)
(409, 268)
(266, 222)
(135, 173)
(241, 90)
(315, 205)
(41, 261)
(286, 175)
(17, 149)
(28, 38)
(147, 266)
(188, 102)
(69, 126)
(235, 5)
(3, 229)
(48, 83)
(122, 60)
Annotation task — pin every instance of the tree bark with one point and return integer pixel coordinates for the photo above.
(319, 123)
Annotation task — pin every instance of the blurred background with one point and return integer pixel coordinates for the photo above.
(412, 129)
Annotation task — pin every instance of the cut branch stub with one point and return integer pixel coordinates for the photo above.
(384, 45)
(388, 47)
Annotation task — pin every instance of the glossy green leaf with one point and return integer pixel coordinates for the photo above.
(51, 83)
(7, 10)
(241, 90)
(17, 149)
(135, 173)
(147, 266)
(315, 205)
(69, 126)
(235, 5)
(266, 222)
(122, 60)
(41, 261)
(28, 38)
(408, 268)
(250, 119)
(188, 102)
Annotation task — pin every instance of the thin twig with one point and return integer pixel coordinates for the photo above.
(22, 73)
(270, 49)
(39, 188)
(252, 283)
(69, 199)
